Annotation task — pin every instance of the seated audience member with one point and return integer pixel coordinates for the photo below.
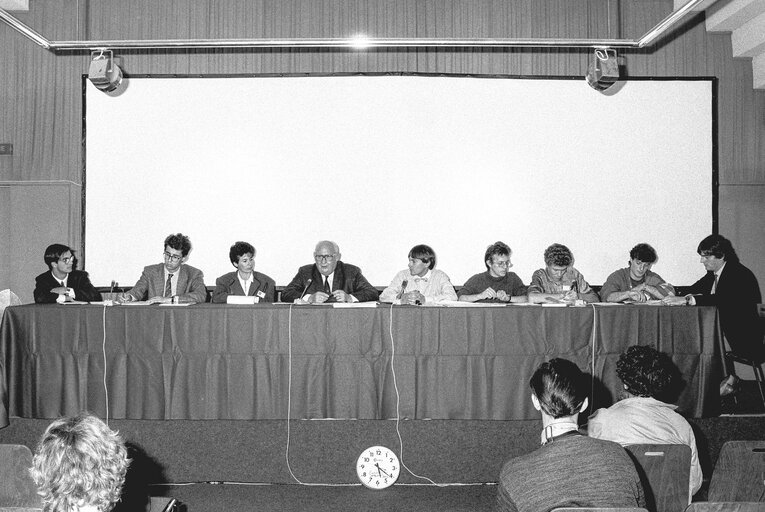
(497, 284)
(636, 282)
(559, 281)
(570, 469)
(171, 280)
(641, 416)
(733, 288)
(329, 280)
(245, 280)
(421, 283)
(61, 283)
(79, 465)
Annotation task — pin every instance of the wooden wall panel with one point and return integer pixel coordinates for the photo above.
(41, 97)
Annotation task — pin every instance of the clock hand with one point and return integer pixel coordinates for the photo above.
(381, 470)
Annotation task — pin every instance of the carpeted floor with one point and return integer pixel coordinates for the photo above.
(287, 497)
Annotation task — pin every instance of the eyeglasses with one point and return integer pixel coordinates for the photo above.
(501, 263)
(642, 264)
(172, 257)
(67, 259)
(324, 257)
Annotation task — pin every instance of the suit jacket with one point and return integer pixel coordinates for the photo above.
(228, 284)
(736, 298)
(347, 278)
(190, 287)
(78, 280)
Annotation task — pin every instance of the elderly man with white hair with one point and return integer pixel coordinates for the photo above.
(329, 280)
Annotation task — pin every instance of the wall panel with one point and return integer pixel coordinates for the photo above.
(40, 92)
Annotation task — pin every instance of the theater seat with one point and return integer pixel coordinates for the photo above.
(599, 509)
(726, 506)
(738, 473)
(664, 470)
(16, 486)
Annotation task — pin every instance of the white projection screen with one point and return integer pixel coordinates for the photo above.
(382, 163)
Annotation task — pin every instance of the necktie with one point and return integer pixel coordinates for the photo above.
(714, 285)
(326, 286)
(169, 285)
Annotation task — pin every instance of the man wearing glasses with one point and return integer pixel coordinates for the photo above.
(637, 283)
(171, 281)
(328, 280)
(497, 284)
(62, 283)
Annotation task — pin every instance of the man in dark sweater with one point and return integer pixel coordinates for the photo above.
(570, 469)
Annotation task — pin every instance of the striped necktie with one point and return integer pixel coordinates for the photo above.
(169, 285)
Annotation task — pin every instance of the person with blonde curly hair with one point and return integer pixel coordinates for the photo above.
(559, 281)
(79, 465)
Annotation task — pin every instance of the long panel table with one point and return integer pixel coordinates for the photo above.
(277, 361)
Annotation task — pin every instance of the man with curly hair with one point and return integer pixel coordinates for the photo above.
(172, 281)
(559, 281)
(641, 416)
(79, 465)
(637, 283)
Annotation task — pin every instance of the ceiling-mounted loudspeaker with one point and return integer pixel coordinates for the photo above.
(104, 73)
(604, 69)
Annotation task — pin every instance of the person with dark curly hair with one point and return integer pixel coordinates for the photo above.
(172, 281)
(79, 465)
(569, 469)
(637, 283)
(559, 281)
(641, 416)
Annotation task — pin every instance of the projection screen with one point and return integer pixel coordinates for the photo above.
(381, 163)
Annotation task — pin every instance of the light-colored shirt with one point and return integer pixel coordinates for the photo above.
(245, 283)
(434, 285)
(541, 282)
(644, 420)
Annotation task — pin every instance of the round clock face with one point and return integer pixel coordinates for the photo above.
(377, 467)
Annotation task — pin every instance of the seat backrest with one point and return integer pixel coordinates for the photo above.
(726, 506)
(665, 470)
(739, 473)
(16, 486)
(598, 509)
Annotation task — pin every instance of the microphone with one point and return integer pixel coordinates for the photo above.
(307, 284)
(403, 288)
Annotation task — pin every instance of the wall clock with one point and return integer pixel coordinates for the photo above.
(377, 467)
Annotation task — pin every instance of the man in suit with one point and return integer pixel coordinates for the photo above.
(62, 283)
(733, 288)
(328, 280)
(171, 281)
